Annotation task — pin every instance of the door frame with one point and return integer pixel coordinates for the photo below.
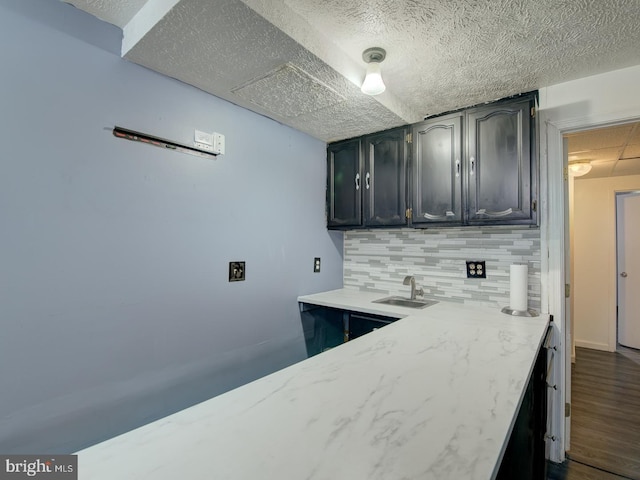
(618, 194)
(554, 253)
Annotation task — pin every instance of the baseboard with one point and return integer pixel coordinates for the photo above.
(592, 345)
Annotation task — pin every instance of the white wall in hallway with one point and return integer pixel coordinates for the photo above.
(594, 265)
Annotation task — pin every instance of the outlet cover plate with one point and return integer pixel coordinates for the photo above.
(476, 269)
(316, 264)
(236, 271)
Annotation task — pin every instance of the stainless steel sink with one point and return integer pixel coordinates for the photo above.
(406, 302)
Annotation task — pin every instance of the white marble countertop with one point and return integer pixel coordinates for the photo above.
(432, 396)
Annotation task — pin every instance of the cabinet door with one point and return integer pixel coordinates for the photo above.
(362, 324)
(499, 164)
(437, 171)
(384, 182)
(344, 164)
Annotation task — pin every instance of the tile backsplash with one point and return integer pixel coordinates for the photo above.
(378, 260)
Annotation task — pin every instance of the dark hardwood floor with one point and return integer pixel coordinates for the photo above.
(571, 470)
(605, 417)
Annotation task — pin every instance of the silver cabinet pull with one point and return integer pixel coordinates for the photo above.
(357, 181)
(623, 274)
(472, 160)
(457, 167)
(366, 180)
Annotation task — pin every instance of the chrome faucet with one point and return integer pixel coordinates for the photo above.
(410, 280)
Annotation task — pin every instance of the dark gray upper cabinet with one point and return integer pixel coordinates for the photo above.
(385, 174)
(473, 167)
(500, 164)
(367, 181)
(344, 198)
(437, 171)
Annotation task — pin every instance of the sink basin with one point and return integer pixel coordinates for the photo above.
(406, 302)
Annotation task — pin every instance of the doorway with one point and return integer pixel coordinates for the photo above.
(613, 155)
(588, 103)
(610, 164)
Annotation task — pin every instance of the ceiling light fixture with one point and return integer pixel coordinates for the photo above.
(373, 84)
(577, 169)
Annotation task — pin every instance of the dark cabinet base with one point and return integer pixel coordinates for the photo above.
(325, 328)
(524, 458)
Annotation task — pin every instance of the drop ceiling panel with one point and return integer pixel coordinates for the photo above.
(606, 137)
(627, 167)
(635, 137)
(602, 154)
(605, 149)
(598, 170)
(632, 151)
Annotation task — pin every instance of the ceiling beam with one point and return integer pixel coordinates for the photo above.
(143, 21)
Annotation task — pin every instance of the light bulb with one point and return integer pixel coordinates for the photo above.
(578, 169)
(373, 84)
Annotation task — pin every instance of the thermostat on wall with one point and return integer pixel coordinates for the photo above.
(200, 150)
(203, 140)
(213, 142)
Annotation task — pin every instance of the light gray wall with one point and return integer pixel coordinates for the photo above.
(115, 307)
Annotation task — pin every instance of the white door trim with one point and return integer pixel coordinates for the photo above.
(552, 264)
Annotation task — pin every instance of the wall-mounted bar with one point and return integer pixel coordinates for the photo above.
(159, 142)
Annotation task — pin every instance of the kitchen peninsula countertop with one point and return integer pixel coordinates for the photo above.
(432, 396)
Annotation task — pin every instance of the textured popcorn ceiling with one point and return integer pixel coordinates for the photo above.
(223, 45)
(304, 93)
(441, 55)
(116, 12)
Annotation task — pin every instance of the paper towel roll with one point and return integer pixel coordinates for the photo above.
(519, 287)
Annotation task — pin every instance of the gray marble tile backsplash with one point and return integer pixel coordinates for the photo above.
(378, 260)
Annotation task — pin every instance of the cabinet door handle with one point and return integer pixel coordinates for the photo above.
(357, 181)
(472, 161)
(366, 180)
(457, 167)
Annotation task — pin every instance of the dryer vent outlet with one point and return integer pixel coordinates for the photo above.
(236, 271)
